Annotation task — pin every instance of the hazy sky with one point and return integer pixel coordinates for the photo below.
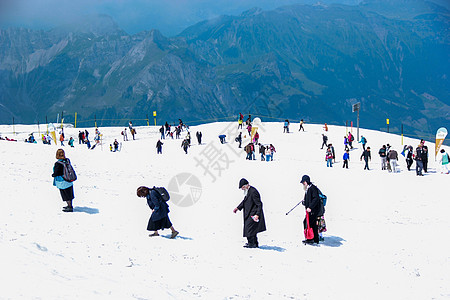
(169, 16)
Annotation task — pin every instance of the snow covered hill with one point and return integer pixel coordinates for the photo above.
(386, 235)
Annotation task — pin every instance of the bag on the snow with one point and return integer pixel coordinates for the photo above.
(68, 171)
(163, 193)
(309, 233)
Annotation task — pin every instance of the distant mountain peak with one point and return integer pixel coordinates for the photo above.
(252, 12)
(97, 24)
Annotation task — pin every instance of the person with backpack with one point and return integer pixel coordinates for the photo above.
(159, 220)
(124, 133)
(409, 157)
(222, 138)
(444, 160)
(286, 126)
(363, 141)
(161, 130)
(116, 145)
(272, 151)
(366, 155)
(262, 152)
(418, 157)
(314, 207)
(133, 132)
(71, 140)
(159, 147)
(383, 156)
(185, 145)
(324, 141)
(345, 143)
(239, 139)
(63, 177)
(346, 159)
(253, 214)
(351, 138)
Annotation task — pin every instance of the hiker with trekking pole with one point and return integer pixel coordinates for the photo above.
(314, 205)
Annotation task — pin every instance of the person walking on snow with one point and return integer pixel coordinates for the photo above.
(367, 157)
(444, 160)
(159, 147)
(124, 133)
(393, 158)
(286, 126)
(253, 214)
(324, 141)
(185, 145)
(272, 151)
(160, 211)
(418, 157)
(262, 152)
(329, 157)
(301, 125)
(351, 138)
(363, 141)
(346, 159)
(382, 152)
(161, 130)
(239, 139)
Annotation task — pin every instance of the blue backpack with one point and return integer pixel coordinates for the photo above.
(323, 198)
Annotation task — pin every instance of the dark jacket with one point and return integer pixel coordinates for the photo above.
(382, 152)
(366, 155)
(392, 154)
(312, 201)
(252, 205)
(159, 144)
(159, 206)
(58, 169)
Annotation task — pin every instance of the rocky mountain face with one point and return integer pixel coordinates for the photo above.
(310, 62)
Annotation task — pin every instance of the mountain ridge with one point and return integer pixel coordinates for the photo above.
(293, 62)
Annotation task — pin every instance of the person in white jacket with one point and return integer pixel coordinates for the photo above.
(444, 161)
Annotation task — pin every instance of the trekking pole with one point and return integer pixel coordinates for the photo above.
(293, 208)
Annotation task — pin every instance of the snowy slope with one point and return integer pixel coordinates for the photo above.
(386, 232)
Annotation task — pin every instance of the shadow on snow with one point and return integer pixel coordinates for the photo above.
(88, 210)
(332, 241)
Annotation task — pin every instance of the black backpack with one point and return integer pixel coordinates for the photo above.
(163, 193)
(68, 171)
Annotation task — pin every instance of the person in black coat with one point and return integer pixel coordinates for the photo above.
(366, 155)
(160, 211)
(159, 147)
(199, 137)
(254, 222)
(313, 207)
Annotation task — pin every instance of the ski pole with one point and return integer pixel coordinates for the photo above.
(293, 208)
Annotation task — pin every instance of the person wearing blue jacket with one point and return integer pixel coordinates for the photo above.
(346, 158)
(160, 211)
(65, 187)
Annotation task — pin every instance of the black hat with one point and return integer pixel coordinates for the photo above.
(306, 179)
(242, 182)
